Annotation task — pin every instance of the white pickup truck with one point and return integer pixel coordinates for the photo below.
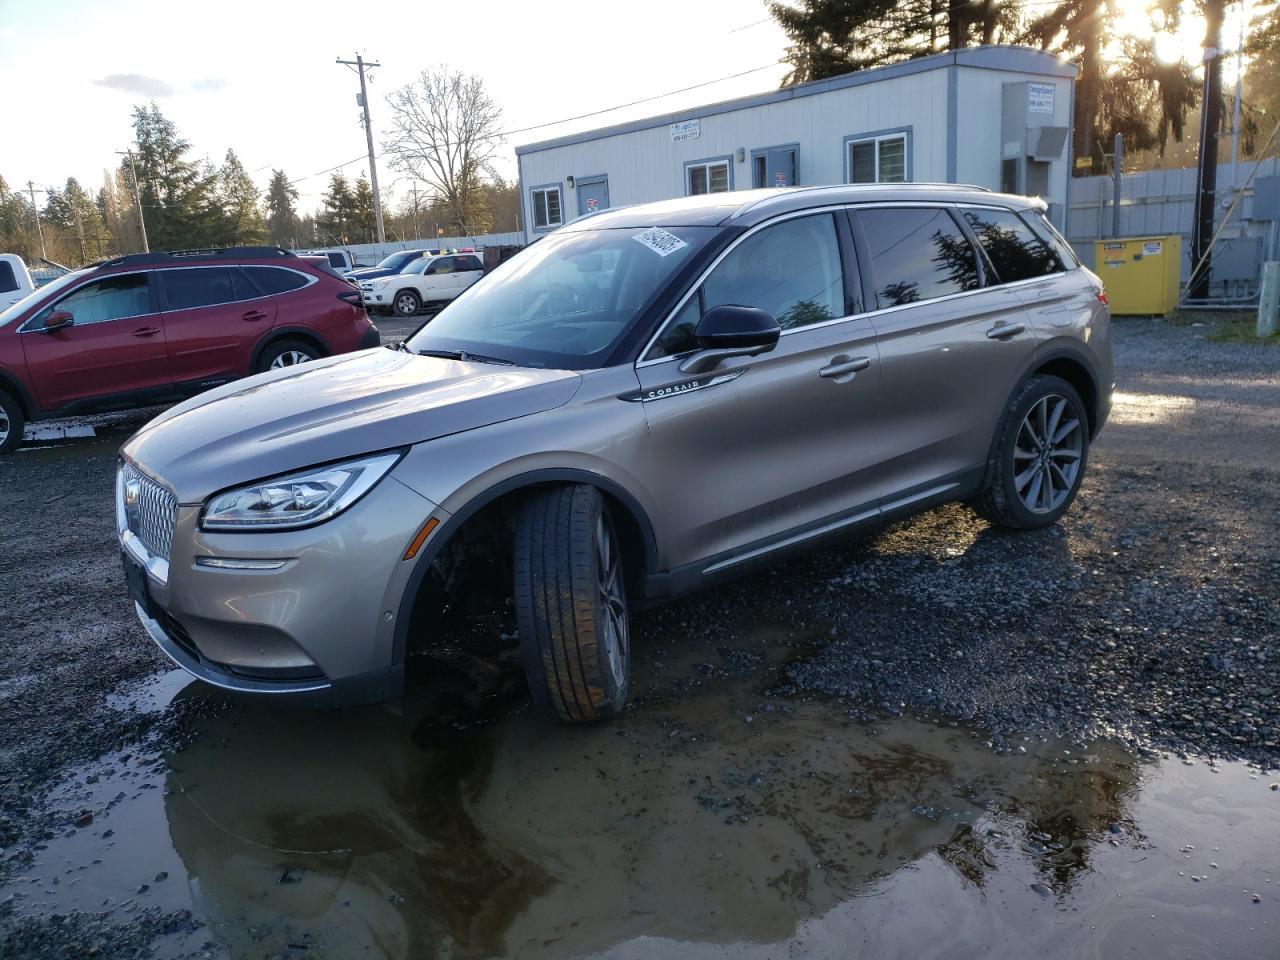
(15, 279)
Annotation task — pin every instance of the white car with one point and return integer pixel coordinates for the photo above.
(15, 279)
(429, 280)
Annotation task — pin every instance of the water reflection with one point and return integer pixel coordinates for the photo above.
(518, 837)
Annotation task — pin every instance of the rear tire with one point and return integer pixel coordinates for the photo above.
(571, 604)
(406, 304)
(12, 423)
(1040, 456)
(286, 353)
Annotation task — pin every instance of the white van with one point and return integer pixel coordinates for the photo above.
(15, 279)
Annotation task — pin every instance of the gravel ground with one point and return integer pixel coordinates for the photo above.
(1150, 614)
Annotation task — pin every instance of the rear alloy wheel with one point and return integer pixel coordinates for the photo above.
(571, 604)
(1040, 456)
(406, 304)
(286, 353)
(11, 423)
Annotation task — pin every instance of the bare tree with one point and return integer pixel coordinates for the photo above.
(445, 131)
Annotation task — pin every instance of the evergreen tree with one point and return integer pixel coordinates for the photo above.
(77, 231)
(179, 196)
(282, 215)
(362, 211)
(337, 215)
(17, 225)
(239, 200)
(1134, 94)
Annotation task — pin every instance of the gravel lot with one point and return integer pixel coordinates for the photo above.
(1150, 615)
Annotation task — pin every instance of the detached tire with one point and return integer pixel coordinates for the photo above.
(12, 423)
(286, 353)
(1040, 456)
(571, 604)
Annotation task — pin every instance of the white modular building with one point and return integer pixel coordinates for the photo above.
(994, 116)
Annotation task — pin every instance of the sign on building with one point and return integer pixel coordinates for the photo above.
(1040, 97)
(686, 130)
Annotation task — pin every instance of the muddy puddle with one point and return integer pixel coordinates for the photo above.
(719, 823)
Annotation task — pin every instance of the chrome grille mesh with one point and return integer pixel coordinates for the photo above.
(151, 518)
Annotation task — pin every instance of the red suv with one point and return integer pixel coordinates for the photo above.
(157, 327)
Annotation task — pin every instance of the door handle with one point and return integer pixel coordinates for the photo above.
(253, 315)
(1002, 330)
(146, 331)
(844, 366)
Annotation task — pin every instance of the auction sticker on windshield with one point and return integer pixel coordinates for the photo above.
(660, 241)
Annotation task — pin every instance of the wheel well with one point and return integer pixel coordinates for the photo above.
(477, 553)
(279, 337)
(1076, 374)
(17, 395)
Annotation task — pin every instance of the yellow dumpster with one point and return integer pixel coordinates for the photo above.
(1141, 274)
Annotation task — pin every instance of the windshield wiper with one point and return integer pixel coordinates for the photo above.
(464, 355)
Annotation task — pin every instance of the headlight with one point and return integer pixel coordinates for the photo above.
(297, 500)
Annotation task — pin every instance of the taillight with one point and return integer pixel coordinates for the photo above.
(352, 297)
(1102, 298)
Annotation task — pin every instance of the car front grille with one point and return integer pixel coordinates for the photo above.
(151, 511)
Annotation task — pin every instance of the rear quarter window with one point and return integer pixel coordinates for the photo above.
(1013, 250)
(273, 280)
(8, 279)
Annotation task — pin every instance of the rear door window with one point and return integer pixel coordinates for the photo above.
(1012, 249)
(198, 287)
(469, 263)
(917, 253)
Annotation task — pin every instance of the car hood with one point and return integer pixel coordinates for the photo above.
(331, 409)
(368, 273)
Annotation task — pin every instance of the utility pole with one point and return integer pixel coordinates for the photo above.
(1210, 120)
(137, 198)
(1117, 181)
(360, 66)
(31, 188)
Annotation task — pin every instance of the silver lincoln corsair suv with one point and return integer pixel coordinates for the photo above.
(642, 403)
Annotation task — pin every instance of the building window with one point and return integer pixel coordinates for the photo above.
(707, 176)
(881, 159)
(546, 208)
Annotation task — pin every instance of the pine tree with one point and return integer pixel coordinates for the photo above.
(337, 216)
(179, 196)
(1135, 94)
(362, 210)
(77, 232)
(283, 227)
(239, 200)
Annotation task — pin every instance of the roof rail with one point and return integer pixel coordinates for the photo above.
(175, 256)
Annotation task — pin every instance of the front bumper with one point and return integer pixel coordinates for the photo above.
(321, 621)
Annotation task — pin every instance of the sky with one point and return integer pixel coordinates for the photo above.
(260, 77)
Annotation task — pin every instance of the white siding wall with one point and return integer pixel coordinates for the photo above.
(979, 147)
(645, 165)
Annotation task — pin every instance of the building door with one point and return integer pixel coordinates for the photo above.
(773, 167)
(593, 194)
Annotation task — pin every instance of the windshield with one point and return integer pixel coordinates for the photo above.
(52, 287)
(395, 261)
(567, 300)
(418, 266)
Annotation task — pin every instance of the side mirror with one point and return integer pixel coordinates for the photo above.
(731, 331)
(58, 320)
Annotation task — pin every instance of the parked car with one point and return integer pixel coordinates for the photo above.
(156, 327)
(636, 406)
(430, 280)
(341, 260)
(15, 279)
(396, 263)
